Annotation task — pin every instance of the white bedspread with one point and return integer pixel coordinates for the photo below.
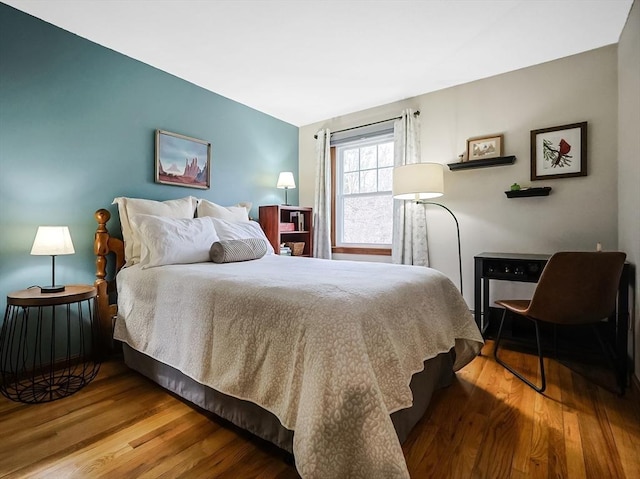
(329, 347)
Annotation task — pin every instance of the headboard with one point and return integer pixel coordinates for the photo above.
(104, 245)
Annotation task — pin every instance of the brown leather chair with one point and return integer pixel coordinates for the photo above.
(574, 288)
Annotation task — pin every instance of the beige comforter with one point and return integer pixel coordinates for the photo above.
(329, 347)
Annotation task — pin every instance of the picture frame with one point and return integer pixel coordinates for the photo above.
(484, 147)
(559, 152)
(182, 161)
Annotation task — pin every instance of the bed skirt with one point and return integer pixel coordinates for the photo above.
(437, 373)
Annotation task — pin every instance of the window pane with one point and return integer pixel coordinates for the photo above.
(368, 220)
(385, 179)
(351, 159)
(385, 154)
(368, 158)
(350, 183)
(368, 181)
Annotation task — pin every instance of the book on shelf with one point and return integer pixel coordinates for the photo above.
(297, 218)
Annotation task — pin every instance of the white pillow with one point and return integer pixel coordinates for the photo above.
(173, 240)
(128, 207)
(231, 230)
(239, 212)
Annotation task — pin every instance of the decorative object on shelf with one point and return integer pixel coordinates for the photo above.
(182, 160)
(559, 152)
(52, 241)
(525, 192)
(422, 181)
(482, 148)
(468, 165)
(297, 247)
(286, 182)
(515, 187)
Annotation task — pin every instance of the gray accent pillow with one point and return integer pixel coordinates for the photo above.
(230, 251)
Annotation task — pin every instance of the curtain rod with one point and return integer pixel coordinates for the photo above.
(417, 113)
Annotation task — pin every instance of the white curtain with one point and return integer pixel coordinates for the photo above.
(409, 222)
(322, 203)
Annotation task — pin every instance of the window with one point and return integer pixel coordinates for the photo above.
(363, 203)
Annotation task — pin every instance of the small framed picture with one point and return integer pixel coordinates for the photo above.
(559, 152)
(182, 160)
(485, 147)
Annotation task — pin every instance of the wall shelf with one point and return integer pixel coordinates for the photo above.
(542, 191)
(467, 165)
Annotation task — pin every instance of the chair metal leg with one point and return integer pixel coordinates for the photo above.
(513, 371)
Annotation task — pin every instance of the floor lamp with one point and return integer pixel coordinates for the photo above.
(420, 182)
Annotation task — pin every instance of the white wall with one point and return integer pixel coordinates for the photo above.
(579, 212)
(629, 158)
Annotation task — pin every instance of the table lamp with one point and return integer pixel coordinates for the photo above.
(419, 182)
(286, 181)
(53, 241)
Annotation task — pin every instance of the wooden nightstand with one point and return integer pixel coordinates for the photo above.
(47, 343)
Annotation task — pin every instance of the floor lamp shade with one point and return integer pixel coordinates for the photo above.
(52, 241)
(418, 181)
(423, 181)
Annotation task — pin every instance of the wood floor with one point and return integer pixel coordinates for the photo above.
(486, 425)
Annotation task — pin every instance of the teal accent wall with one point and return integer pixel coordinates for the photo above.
(77, 124)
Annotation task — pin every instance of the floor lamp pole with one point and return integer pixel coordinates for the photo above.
(421, 202)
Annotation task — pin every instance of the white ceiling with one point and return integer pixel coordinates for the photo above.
(304, 61)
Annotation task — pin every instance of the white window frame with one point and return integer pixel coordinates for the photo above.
(385, 137)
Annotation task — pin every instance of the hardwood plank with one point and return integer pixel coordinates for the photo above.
(601, 455)
(556, 453)
(573, 446)
(180, 435)
(486, 424)
(107, 449)
(498, 443)
(625, 428)
(190, 457)
(524, 400)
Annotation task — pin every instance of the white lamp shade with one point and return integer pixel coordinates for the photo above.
(418, 181)
(286, 181)
(52, 240)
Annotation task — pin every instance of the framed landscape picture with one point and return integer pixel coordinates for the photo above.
(182, 160)
(559, 152)
(483, 148)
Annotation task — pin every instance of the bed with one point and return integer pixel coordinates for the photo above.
(332, 361)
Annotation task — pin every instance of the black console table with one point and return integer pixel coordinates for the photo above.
(528, 268)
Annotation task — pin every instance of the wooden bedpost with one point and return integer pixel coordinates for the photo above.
(103, 245)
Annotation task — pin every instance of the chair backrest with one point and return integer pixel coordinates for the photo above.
(577, 287)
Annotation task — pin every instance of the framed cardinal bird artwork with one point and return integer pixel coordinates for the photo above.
(559, 152)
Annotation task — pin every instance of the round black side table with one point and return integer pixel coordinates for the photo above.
(47, 342)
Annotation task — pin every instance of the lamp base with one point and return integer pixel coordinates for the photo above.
(56, 288)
